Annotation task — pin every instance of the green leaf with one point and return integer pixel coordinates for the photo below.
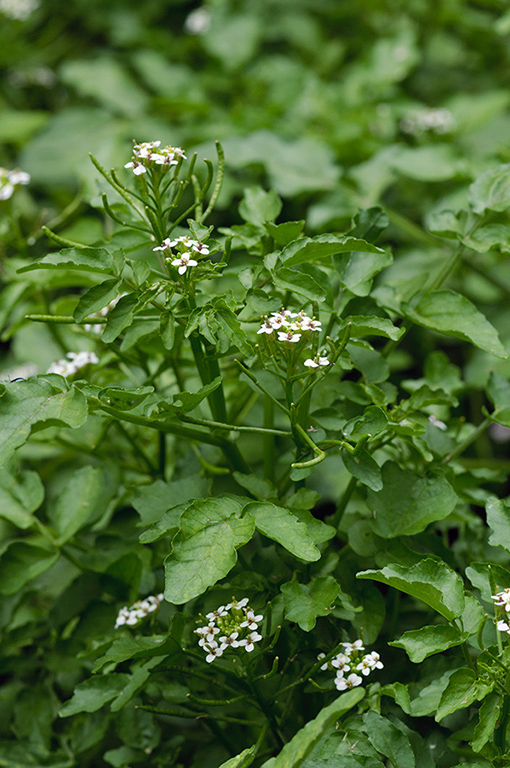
(82, 259)
(167, 326)
(429, 580)
(299, 747)
(136, 681)
(389, 740)
(23, 561)
(259, 487)
(78, 502)
(167, 526)
(498, 519)
(436, 162)
(427, 702)
(105, 80)
(488, 716)
(371, 326)
(421, 643)
(152, 501)
(127, 647)
(498, 391)
(450, 313)
(242, 760)
(358, 270)
(120, 317)
(204, 550)
(304, 602)
(372, 422)
(94, 693)
(363, 467)
(96, 298)
(20, 496)
(462, 690)
(34, 404)
(298, 282)
(407, 503)
(188, 401)
(323, 246)
(282, 526)
(286, 232)
(491, 190)
(259, 206)
(231, 327)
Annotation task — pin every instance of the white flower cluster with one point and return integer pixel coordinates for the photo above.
(290, 327)
(97, 327)
(187, 247)
(435, 120)
(230, 626)
(18, 9)
(75, 361)
(138, 611)
(351, 660)
(150, 153)
(11, 179)
(503, 600)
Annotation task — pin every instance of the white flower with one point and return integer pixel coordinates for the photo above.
(214, 651)
(250, 640)
(237, 604)
(251, 620)
(437, 423)
(11, 179)
(502, 598)
(229, 641)
(323, 656)
(352, 681)
(316, 362)
(137, 167)
(341, 662)
(357, 645)
(266, 327)
(503, 626)
(71, 366)
(375, 660)
(221, 611)
(198, 21)
(288, 336)
(183, 263)
(309, 324)
(365, 666)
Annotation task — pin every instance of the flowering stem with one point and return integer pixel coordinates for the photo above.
(268, 440)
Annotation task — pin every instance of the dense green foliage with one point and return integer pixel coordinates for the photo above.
(173, 440)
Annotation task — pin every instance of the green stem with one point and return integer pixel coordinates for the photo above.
(339, 512)
(136, 448)
(500, 732)
(266, 709)
(232, 427)
(268, 440)
(173, 429)
(467, 442)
